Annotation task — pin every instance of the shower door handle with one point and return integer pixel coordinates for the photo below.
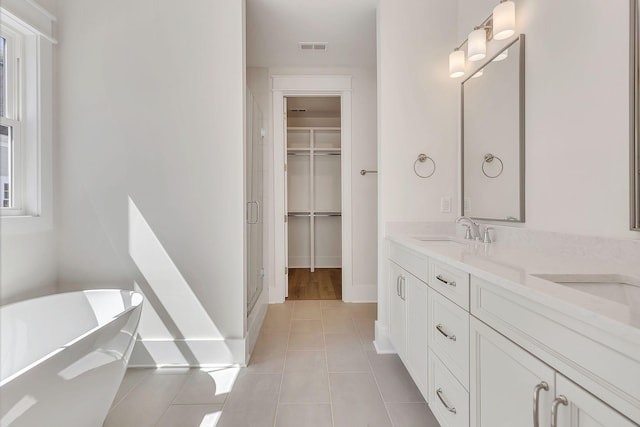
(258, 217)
(249, 221)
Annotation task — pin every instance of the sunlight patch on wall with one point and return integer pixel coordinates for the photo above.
(167, 284)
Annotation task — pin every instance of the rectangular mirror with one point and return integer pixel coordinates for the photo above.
(634, 152)
(493, 138)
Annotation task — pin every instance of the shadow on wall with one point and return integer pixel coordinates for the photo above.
(172, 317)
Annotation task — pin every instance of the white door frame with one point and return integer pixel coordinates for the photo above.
(325, 85)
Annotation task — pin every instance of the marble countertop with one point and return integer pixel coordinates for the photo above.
(515, 268)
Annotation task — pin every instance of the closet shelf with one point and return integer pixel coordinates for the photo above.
(314, 151)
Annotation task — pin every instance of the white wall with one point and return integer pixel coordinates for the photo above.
(28, 265)
(27, 244)
(364, 156)
(416, 114)
(577, 112)
(417, 108)
(150, 167)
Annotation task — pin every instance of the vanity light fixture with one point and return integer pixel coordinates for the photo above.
(456, 63)
(504, 20)
(477, 47)
(499, 25)
(478, 73)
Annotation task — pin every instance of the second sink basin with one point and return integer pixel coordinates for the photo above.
(613, 287)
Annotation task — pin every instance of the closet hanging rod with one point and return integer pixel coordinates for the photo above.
(307, 214)
(364, 172)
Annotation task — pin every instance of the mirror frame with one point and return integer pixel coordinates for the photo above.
(634, 145)
(521, 118)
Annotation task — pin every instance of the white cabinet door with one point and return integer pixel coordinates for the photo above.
(504, 379)
(417, 321)
(578, 408)
(397, 310)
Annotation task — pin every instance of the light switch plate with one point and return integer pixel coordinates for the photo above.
(445, 204)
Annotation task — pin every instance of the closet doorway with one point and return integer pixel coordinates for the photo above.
(333, 139)
(313, 178)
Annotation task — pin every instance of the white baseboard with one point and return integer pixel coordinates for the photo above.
(382, 343)
(361, 293)
(188, 353)
(254, 322)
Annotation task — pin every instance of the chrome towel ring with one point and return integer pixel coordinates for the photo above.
(422, 158)
(488, 158)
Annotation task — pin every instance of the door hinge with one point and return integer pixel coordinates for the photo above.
(286, 218)
(286, 271)
(285, 167)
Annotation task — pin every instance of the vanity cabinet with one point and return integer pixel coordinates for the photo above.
(408, 312)
(583, 409)
(517, 344)
(449, 335)
(417, 318)
(504, 379)
(449, 400)
(397, 310)
(511, 387)
(448, 330)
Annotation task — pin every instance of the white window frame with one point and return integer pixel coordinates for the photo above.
(14, 42)
(32, 97)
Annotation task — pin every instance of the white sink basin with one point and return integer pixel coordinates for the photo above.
(441, 239)
(613, 287)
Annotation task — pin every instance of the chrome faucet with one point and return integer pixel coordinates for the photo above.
(474, 227)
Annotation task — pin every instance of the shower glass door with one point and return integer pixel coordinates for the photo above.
(254, 197)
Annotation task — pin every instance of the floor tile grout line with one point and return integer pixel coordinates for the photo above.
(284, 363)
(380, 391)
(326, 358)
(128, 392)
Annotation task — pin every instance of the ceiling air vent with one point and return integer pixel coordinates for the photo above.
(313, 46)
(298, 110)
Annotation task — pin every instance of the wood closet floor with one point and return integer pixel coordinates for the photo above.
(323, 283)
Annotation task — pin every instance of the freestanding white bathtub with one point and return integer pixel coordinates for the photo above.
(63, 357)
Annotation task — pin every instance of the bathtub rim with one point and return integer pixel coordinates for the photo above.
(54, 352)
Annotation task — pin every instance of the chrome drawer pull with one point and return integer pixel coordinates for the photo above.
(440, 396)
(554, 409)
(536, 395)
(441, 330)
(445, 281)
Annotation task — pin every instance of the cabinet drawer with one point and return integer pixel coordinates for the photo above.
(449, 335)
(414, 263)
(449, 400)
(450, 282)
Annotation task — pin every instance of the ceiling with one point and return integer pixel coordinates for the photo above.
(275, 27)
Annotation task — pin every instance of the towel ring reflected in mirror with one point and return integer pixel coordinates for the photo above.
(422, 158)
(489, 158)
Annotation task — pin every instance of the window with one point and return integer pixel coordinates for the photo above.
(26, 158)
(10, 126)
(11, 162)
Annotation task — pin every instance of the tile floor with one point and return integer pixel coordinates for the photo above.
(314, 365)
